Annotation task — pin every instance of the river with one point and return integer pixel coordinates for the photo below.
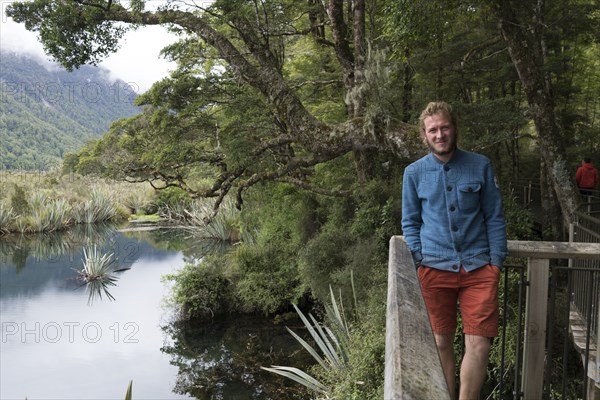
(60, 343)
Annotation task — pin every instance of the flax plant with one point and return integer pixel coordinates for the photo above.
(22, 225)
(6, 216)
(98, 272)
(49, 215)
(136, 201)
(100, 207)
(222, 227)
(332, 347)
(129, 392)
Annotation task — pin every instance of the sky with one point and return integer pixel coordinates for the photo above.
(137, 62)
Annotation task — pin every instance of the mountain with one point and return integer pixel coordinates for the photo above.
(46, 111)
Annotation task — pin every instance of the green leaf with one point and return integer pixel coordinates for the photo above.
(299, 376)
(128, 394)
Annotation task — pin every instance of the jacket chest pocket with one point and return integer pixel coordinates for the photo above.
(468, 196)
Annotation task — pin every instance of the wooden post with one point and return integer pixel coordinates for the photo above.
(597, 383)
(571, 240)
(413, 369)
(534, 348)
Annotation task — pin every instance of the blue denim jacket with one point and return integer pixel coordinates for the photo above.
(452, 212)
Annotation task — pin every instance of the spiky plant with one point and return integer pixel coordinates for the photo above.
(128, 394)
(6, 215)
(100, 207)
(332, 346)
(22, 223)
(98, 272)
(222, 226)
(49, 215)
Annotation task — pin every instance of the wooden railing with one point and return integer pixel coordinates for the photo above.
(412, 366)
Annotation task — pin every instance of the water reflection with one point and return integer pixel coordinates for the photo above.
(57, 346)
(221, 360)
(48, 247)
(53, 341)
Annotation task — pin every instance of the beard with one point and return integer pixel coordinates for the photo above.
(449, 149)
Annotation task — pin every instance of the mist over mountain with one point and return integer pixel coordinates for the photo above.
(46, 111)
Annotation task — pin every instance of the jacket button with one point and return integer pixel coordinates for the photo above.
(452, 208)
(455, 267)
(470, 189)
(449, 188)
(459, 248)
(446, 168)
(454, 228)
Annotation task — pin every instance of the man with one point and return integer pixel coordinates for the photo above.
(586, 177)
(453, 223)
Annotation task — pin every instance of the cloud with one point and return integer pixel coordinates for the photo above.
(137, 62)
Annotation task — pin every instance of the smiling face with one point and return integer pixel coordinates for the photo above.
(440, 135)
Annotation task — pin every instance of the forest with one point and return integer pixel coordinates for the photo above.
(48, 112)
(303, 114)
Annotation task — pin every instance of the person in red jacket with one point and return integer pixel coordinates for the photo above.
(586, 177)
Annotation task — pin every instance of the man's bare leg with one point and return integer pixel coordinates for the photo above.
(473, 369)
(445, 345)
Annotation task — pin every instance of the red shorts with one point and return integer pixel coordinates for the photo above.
(476, 292)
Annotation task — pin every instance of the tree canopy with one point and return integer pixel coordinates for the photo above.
(273, 90)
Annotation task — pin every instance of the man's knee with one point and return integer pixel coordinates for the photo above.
(479, 345)
(444, 343)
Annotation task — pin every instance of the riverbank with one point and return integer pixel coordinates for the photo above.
(33, 202)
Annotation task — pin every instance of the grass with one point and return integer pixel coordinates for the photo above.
(144, 217)
(6, 216)
(33, 202)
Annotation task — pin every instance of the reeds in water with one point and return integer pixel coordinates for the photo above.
(98, 272)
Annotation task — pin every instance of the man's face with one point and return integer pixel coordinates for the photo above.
(440, 135)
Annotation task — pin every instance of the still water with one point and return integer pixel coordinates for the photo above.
(58, 343)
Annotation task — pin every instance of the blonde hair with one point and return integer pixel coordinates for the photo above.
(436, 108)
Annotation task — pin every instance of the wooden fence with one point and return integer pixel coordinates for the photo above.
(412, 366)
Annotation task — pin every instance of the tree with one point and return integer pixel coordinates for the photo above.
(524, 29)
(249, 40)
(266, 91)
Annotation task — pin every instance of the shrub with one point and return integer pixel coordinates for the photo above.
(172, 198)
(519, 221)
(267, 278)
(18, 201)
(324, 256)
(201, 291)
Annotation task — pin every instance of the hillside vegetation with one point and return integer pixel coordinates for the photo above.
(47, 112)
